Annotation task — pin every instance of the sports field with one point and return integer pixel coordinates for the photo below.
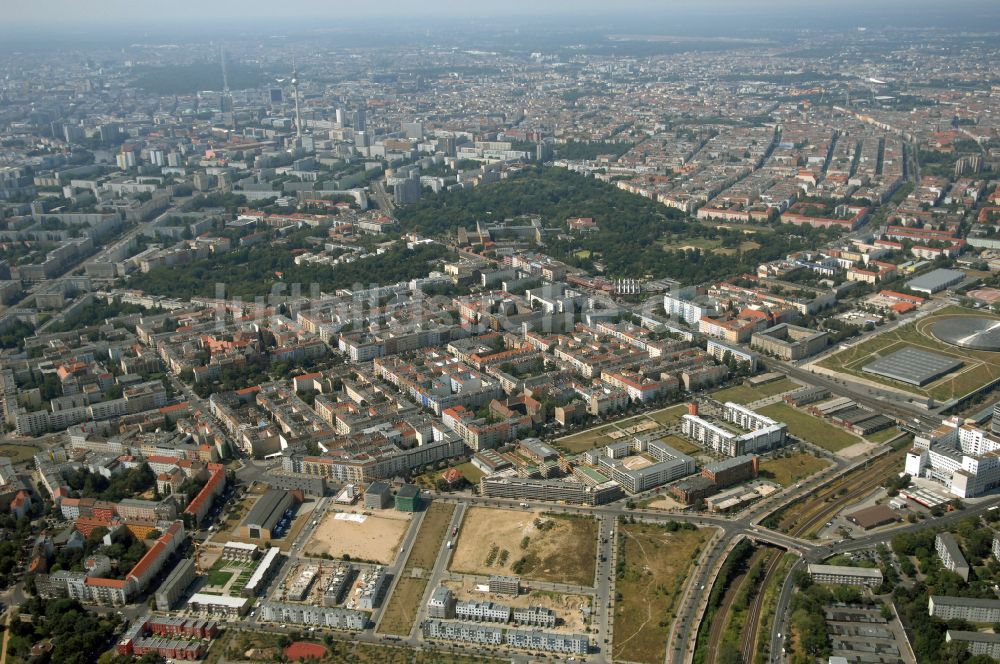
(979, 366)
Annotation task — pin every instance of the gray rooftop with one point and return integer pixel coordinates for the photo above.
(972, 602)
(951, 546)
(913, 366)
(725, 464)
(982, 637)
(935, 280)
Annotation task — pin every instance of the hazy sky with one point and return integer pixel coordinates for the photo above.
(222, 14)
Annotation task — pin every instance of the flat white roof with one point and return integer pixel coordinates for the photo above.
(240, 545)
(845, 570)
(218, 600)
(262, 567)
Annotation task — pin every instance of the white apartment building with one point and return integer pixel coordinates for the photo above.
(688, 310)
(762, 433)
(965, 608)
(962, 457)
(482, 611)
(306, 614)
(843, 575)
(951, 555)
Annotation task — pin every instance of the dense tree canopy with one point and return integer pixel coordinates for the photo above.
(267, 268)
(638, 237)
(79, 637)
(126, 484)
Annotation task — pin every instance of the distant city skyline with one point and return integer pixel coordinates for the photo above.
(983, 14)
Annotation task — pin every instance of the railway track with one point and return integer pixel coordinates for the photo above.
(872, 477)
(720, 619)
(748, 638)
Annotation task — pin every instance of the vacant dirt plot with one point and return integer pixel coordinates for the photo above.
(540, 546)
(376, 539)
(666, 502)
(656, 562)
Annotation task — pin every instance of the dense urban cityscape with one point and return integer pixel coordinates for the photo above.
(464, 341)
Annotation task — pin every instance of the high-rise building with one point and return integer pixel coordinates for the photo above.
(413, 129)
(360, 119)
(126, 160)
(110, 133)
(406, 192)
(72, 133)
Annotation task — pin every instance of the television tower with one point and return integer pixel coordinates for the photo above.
(225, 71)
(298, 115)
(227, 97)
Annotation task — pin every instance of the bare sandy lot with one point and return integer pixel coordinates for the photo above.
(376, 539)
(568, 608)
(538, 546)
(857, 449)
(636, 462)
(667, 503)
(648, 425)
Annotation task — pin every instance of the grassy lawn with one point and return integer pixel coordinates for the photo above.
(705, 244)
(656, 565)
(219, 578)
(17, 453)
(431, 536)
(743, 394)
(408, 594)
(471, 473)
(789, 470)
(402, 608)
(681, 444)
(585, 440)
(810, 428)
(670, 415)
(883, 435)
(980, 366)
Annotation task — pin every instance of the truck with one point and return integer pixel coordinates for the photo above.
(524, 504)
